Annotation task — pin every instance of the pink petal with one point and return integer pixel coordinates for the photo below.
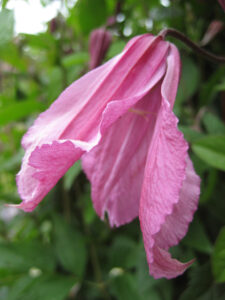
(171, 188)
(165, 266)
(115, 166)
(172, 77)
(169, 196)
(41, 170)
(213, 29)
(176, 224)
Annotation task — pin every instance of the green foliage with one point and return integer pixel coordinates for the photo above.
(200, 282)
(7, 26)
(211, 149)
(20, 257)
(197, 238)
(218, 258)
(123, 287)
(70, 247)
(87, 15)
(189, 80)
(19, 110)
(42, 288)
(62, 250)
(71, 175)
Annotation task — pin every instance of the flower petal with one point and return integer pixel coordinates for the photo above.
(176, 224)
(171, 80)
(41, 170)
(163, 179)
(165, 266)
(171, 188)
(115, 166)
(175, 228)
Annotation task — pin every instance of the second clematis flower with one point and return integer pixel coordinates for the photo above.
(118, 119)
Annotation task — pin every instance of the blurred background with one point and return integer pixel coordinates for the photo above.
(62, 250)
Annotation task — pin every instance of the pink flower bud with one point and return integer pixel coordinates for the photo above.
(214, 28)
(100, 41)
(222, 3)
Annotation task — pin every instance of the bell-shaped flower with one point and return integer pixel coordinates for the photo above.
(118, 118)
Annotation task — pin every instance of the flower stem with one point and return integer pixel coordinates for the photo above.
(180, 36)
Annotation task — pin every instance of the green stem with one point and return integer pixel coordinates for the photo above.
(93, 251)
(180, 36)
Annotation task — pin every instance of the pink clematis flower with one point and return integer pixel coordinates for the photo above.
(118, 118)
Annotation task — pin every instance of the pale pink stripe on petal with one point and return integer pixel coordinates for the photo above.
(172, 77)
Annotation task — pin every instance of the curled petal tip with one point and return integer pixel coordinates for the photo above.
(166, 266)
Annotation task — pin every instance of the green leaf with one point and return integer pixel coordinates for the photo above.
(190, 134)
(42, 40)
(210, 88)
(221, 87)
(189, 82)
(209, 185)
(12, 162)
(218, 257)
(4, 2)
(199, 284)
(211, 149)
(44, 287)
(3, 292)
(55, 83)
(88, 15)
(162, 13)
(70, 247)
(19, 110)
(7, 26)
(20, 257)
(11, 54)
(71, 175)
(197, 237)
(115, 49)
(213, 124)
(75, 59)
(124, 287)
(123, 252)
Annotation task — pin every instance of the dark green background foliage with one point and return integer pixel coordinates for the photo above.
(62, 250)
